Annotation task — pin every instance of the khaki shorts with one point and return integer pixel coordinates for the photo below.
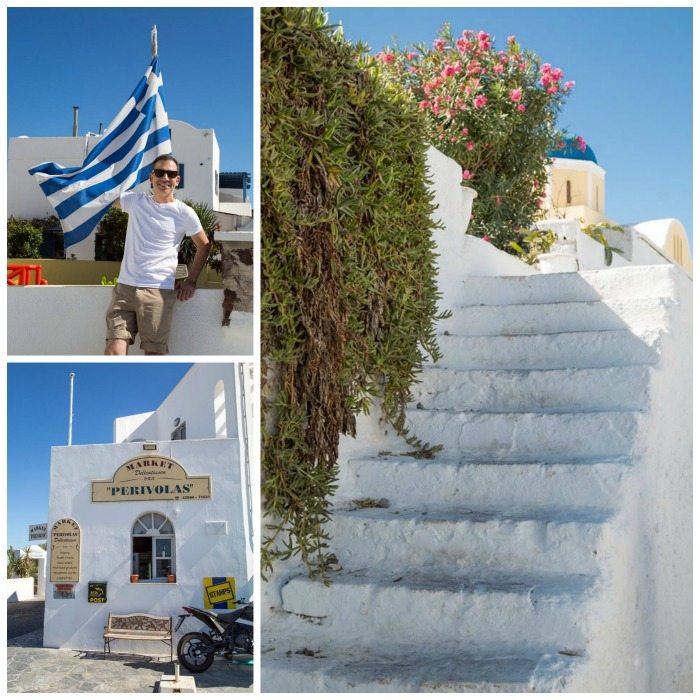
(144, 310)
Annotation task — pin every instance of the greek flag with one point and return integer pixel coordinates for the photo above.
(119, 161)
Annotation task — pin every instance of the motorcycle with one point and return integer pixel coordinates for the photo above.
(228, 633)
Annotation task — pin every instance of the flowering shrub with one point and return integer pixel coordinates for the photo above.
(492, 111)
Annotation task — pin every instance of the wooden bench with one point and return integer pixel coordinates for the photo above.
(139, 626)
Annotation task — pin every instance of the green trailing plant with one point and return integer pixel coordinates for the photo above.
(595, 231)
(494, 112)
(533, 244)
(23, 238)
(349, 294)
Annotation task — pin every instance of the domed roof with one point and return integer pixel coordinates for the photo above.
(569, 148)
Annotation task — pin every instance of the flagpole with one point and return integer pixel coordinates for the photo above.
(154, 41)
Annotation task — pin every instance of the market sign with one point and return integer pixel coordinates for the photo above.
(97, 592)
(151, 477)
(38, 532)
(219, 592)
(65, 551)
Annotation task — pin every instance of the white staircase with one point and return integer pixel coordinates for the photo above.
(479, 572)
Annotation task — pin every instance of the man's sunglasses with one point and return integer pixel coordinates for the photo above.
(159, 172)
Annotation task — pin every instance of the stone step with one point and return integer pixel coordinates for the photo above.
(563, 390)
(578, 350)
(639, 282)
(407, 482)
(531, 319)
(529, 437)
(469, 615)
(461, 543)
(419, 669)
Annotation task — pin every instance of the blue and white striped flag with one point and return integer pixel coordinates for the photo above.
(119, 161)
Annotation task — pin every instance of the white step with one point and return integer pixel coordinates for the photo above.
(530, 319)
(582, 349)
(484, 614)
(421, 669)
(639, 282)
(407, 482)
(594, 389)
(530, 437)
(461, 543)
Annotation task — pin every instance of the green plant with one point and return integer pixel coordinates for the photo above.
(23, 239)
(111, 234)
(533, 244)
(349, 294)
(108, 283)
(207, 217)
(494, 112)
(595, 231)
(19, 565)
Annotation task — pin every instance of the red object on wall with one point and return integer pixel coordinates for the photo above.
(20, 275)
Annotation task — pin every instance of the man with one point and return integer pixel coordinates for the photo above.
(144, 297)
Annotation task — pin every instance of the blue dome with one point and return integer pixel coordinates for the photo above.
(569, 149)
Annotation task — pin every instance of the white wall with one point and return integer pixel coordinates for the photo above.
(19, 589)
(192, 401)
(57, 320)
(106, 538)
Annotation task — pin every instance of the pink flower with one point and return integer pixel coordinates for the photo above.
(580, 143)
(411, 55)
(498, 199)
(557, 74)
(480, 101)
(569, 84)
(465, 131)
(447, 71)
(484, 45)
(516, 95)
(511, 39)
(467, 175)
(552, 89)
(487, 239)
(521, 108)
(413, 70)
(470, 146)
(462, 45)
(387, 57)
(424, 104)
(498, 68)
(483, 36)
(439, 45)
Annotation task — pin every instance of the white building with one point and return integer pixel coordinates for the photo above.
(171, 495)
(197, 150)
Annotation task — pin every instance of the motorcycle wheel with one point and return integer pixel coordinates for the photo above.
(195, 652)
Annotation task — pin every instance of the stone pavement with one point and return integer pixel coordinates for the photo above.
(33, 669)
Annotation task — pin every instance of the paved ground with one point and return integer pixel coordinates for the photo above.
(33, 669)
(24, 617)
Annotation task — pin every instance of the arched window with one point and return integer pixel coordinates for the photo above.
(152, 547)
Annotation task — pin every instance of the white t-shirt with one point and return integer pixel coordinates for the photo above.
(153, 237)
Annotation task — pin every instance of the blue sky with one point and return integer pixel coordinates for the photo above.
(633, 97)
(94, 57)
(37, 419)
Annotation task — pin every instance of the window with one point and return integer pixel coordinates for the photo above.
(568, 191)
(180, 433)
(181, 168)
(152, 547)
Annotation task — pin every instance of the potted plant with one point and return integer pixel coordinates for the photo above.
(134, 578)
(171, 578)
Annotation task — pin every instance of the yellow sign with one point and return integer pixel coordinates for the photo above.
(151, 477)
(220, 592)
(65, 551)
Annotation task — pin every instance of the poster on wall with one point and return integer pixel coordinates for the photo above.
(220, 592)
(65, 551)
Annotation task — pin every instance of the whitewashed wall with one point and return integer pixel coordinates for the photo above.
(106, 538)
(57, 320)
(193, 402)
(19, 589)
